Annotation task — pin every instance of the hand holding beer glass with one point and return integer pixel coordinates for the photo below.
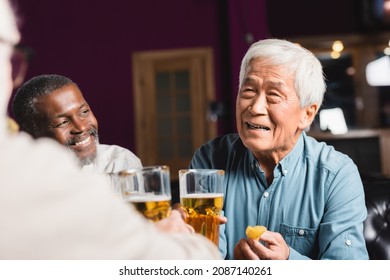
(148, 189)
(201, 196)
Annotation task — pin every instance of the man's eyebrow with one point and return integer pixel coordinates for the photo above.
(278, 85)
(83, 105)
(248, 79)
(66, 113)
(272, 84)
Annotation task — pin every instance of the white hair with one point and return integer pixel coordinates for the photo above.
(309, 79)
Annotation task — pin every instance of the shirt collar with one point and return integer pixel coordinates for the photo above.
(288, 161)
(291, 159)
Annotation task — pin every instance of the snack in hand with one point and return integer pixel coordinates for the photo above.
(255, 232)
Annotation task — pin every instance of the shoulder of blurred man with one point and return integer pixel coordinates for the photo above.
(55, 211)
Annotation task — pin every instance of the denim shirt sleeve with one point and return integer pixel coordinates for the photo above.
(341, 230)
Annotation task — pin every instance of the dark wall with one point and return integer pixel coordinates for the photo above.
(92, 42)
(325, 17)
(307, 17)
(247, 24)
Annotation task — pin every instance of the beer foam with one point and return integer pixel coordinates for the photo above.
(203, 195)
(146, 198)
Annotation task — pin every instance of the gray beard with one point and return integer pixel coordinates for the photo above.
(87, 160)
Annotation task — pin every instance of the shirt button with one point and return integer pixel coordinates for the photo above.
(285, 172)
(266, 194)
(301, 232)
(348, 242)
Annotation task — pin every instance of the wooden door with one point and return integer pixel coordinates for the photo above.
(173, 90)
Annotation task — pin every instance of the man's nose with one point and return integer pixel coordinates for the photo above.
(79, 125)
(259, 104)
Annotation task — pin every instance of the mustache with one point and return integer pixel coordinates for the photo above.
(72, 141)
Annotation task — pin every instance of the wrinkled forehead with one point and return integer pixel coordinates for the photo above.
(272, 63)
(267, 67)
(8, 27)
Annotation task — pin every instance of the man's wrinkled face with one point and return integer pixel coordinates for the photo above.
(67, 118)
(268, 114)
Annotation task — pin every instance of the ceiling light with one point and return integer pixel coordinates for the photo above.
(337, 46)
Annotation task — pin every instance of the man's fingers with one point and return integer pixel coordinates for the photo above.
(222, 220)
(177, 207)
(244, 251)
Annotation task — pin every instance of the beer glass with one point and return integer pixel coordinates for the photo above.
(201, 196)
(148, 189)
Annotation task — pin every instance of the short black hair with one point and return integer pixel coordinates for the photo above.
(23, 104)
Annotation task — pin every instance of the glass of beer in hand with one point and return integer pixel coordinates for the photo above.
(148, 189)
(201, 196)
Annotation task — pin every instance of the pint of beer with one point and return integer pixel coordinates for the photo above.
(201, 196)
(148, 189)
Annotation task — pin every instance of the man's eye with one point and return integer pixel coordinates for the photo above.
(273, 94)
(247, 92)
(248, 89)
(274, 97)
(61, 124)
(85, 112)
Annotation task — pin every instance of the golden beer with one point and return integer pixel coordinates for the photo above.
(153, 207)
(203, 210)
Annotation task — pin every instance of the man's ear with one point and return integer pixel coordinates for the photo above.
(308, 115)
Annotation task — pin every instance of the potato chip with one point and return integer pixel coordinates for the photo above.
(255, 232)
